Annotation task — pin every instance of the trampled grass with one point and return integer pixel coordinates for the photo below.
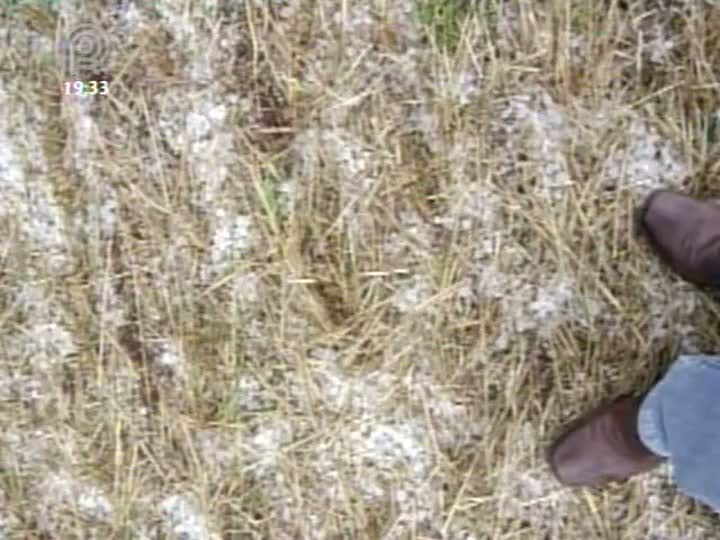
(318, 269)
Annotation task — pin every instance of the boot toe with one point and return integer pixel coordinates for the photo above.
(685, 233)
(664, 212)
(568, 463)
(601, 447)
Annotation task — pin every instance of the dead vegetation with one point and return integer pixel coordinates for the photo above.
(322, 269)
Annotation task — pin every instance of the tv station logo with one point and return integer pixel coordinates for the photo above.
(85, 50)
(81, 49)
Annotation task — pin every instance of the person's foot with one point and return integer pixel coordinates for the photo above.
(602, 446)
(685, 233)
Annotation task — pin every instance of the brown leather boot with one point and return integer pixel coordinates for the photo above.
(602, 446)
(685, 234)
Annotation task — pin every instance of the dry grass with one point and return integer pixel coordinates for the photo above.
(321, 269)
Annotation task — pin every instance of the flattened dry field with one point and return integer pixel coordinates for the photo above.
(336, 269)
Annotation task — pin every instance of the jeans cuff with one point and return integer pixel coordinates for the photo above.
(650, 425)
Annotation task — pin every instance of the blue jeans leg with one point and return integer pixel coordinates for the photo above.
(680, 420)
